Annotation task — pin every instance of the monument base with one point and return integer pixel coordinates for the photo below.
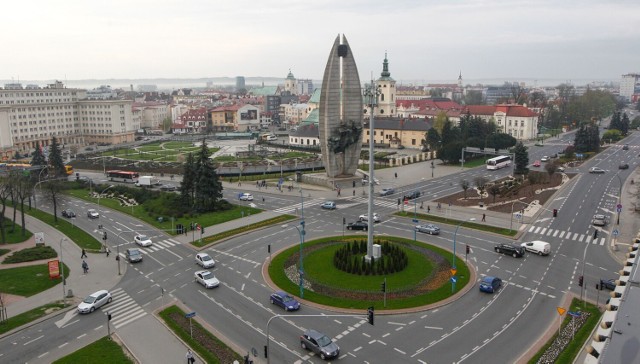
(343, 182)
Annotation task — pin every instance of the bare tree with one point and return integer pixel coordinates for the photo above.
(481, 184)
(23, 189)
(533, 179)
(494, 190)
(5, 192)
(464, 184)
(551, 168)
(52, 188)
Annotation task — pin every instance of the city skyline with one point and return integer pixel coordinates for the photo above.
(426, 41)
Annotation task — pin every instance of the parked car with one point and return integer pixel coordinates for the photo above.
(544, 158)
(328, 205)
(133, 255)
(94, 301)
(599, 220)
(609, 284)
(142, 240)
(490, 284)
(246, 197)
(411, 196)
(536, 164)
(206, 278)
(365, 217)
(596, 170)
(358, 225)
(204, 260)
(285, 301)
(428, 228)
(68, 213)
(387, 191)
(537, 247)
(320, 344)
(168, 188)
(623, 166)
(92, 214)
(508, 249)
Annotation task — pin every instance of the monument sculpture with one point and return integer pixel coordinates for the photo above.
(340, 112)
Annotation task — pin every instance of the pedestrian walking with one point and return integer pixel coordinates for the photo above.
(354, 192)
(84, 254)
(85, 267)
(190, 358)
(396, 174)
(338, 192)
(262, 199)
(428, 209)
(483, 217)
(108, 251)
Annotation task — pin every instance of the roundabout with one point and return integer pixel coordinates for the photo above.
(416, 276)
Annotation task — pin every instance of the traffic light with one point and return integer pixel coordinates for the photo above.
(266, 352)
(344, 221)
(109, 317)
(104, 235)
(398, 201)
(601, 284)
(370, 315)
(202, 230)
(383, 286)
(468, 249)
(580, 281)
(555, 212)
(595, 234)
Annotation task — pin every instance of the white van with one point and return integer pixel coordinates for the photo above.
(537, 247)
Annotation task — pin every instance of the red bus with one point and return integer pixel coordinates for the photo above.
(122, 176)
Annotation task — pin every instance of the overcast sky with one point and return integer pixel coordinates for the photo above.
(426, 40)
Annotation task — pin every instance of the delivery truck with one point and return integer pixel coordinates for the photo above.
(147, 181)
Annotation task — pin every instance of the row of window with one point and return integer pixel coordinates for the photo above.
(49, 101)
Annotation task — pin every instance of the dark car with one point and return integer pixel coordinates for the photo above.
(358, 225)
(411, 196)
(167, 188)
(490, 284)
(623, 166)
(508, 249)
(285, 301)
(625, 147)
(68, 213)
(133, 255)
(320, 344)
(609, 284)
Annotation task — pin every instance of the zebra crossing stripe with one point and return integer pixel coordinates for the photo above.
(543, 230)
(561, 234)
(550, 232)
(531, 228)
(556, 233)
(575, 235)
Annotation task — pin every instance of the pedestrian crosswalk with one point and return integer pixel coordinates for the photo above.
(297, 207)
(561, 234)
(123, 309)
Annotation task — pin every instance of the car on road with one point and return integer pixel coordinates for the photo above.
(509, 249)
(490, 284)
(284, 300)
(92, 214)
(411, 196)
(133, 255)
(596, 170)
(328, 205)
(206, 278)
(246, 197)
(544, 158)
(168, 188)
(537, 247)
(625, 147)
(599, 220)
(387, 191)
(609, 284)
(320, 344)
(536, 164)
(205, 261)
(365, 217)
(623, 166)
(68, 213)
(358, 225)
(94, 301)
(365, 181)
(560, 169)
(428, 228)
(142, 240)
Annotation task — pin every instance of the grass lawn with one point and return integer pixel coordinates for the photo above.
(29, 280)
(77, 235)
(31, 254)
(4, 251)
(467, 224)
(102, 351)
(324, 272)
(15, 236)
(179, 145)
(29, 316)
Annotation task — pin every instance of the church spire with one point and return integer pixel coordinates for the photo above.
(385, 67)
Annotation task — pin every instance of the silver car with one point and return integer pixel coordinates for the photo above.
(206, 278)
(599, 220)
(94, 301)
(320, 344)
(428, 228)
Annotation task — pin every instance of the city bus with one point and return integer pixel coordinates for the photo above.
(498, 162)
(122, 176)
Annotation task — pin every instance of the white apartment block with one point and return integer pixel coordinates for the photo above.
(30, 115)
(152, 114)
(629, 84)
(294, 113)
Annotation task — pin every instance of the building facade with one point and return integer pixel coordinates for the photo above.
(630, 86)
(516, 120)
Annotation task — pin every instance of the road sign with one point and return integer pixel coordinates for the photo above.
(454, 279)
(619, 209)
(518, 216)
(561, 310)
(190, 314)
(415, 220)
(453, 271)
(615, 232)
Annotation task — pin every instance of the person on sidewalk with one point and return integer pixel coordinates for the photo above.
(483, 217)
(84, 254)
(108, 251)
(190, 358)
(85, 267)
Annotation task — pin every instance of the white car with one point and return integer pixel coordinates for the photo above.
(94, 301)
(93, 214)
(246, 197)
(205, 261)
(544, 158)
(142, 240)
(365, 217)
(206, 278)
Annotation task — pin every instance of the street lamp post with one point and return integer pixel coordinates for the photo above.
(619, 198)
(453, 259)
(64, 281)
(433, 167)
(102, 193)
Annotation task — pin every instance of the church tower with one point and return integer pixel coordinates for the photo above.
(387, 87)
(460, 80)
(291, 84)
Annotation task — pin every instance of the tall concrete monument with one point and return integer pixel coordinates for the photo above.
(340, 112)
